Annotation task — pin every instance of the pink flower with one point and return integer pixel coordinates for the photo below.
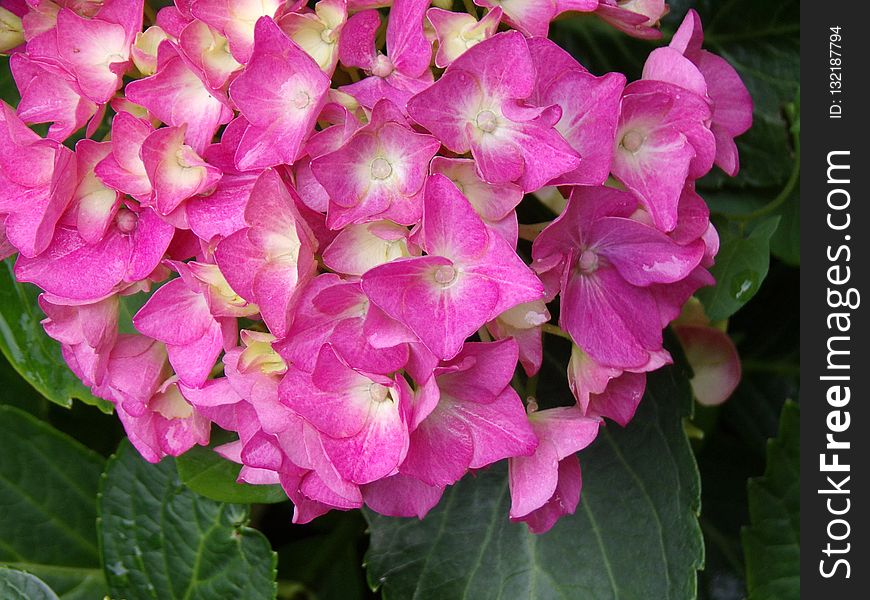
(236, 20)
(50, 96)
(206, 49)
(732, 104)
(457, 32)
(123, 169)
(378, 173)
(194, 315)
(605, 264)
(523, 324)
(266, 261)
(637, 18)
(156, 417)
(358, 248)
(533, 17)
(539, 482)
(404, 69)
(318, 32)
(332, 311)
(176, 95)
(174, 169)
(280, 94)
(469, 276)
(360, 416)
(87, 333)
(469, 418)
(477, 106)
(590, 109)
(71, 268)
(661, 140)
(37, 179)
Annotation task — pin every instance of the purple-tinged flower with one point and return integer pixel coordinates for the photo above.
(470, 276)
(94, 204)
(478, 105)
(611, 392)
(732, 104)
(606, 263)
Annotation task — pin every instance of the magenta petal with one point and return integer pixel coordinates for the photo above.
(563, 502)
(714, 361)
(280, 93)
(401, 496)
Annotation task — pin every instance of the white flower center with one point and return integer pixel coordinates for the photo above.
(381, 168)
(487, 121)
(301, 99)
(445, 275)
(632, 141)
(378, 392)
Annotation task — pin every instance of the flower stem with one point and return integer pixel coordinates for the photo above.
(554, 330)
(530, 232)
(470, 8)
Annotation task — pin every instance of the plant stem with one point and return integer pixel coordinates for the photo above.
(530, 232)
(470, 8)
(554, 330)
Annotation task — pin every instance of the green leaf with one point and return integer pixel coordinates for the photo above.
(161, 541)
(33, 354)
(209, 474)
(17, 585)
(634, 535)
(760, 40)
(48, 488)
(741, 266)
(771, 542)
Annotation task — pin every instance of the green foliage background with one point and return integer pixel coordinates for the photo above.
(662, 516)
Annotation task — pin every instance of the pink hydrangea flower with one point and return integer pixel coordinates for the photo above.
(605, 263)
(477, 105)
(469, 275)
(361, 224)
(378, 173)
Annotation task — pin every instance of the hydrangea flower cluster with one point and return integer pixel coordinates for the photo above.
(317, 205)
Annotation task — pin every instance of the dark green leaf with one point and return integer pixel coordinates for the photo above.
(635, 533)
(48, 487)
(162, 541)
(741, 266)
(760, 40)
(772, 540)
(30, 351)
(17, 585)
(207, 473)
(786, 242)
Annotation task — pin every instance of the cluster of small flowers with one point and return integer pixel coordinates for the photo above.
(338, 202)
